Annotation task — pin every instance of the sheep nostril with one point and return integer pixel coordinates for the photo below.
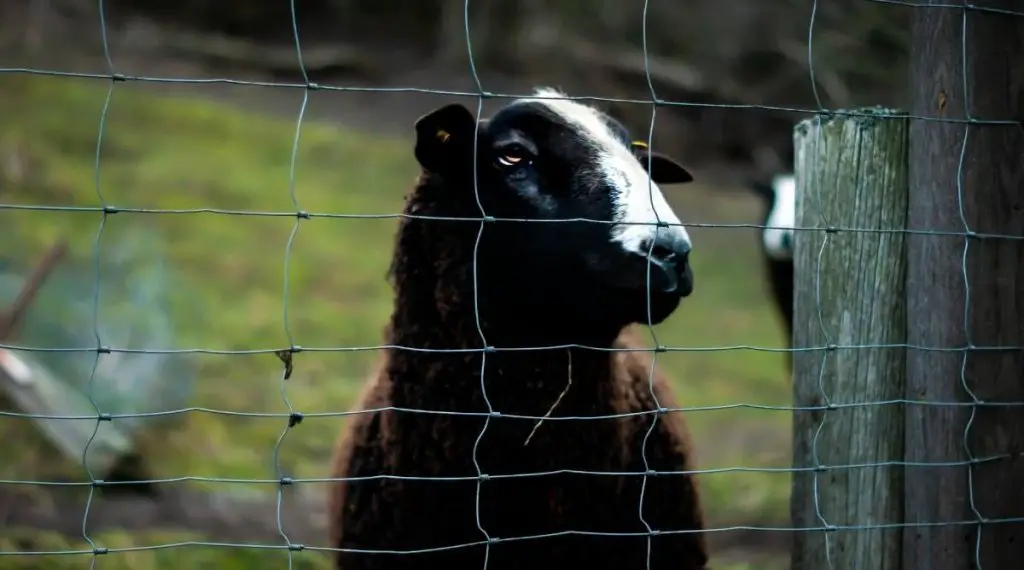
(663, 253)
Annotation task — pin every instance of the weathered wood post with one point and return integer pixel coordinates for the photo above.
(851, 175)
(966, 481)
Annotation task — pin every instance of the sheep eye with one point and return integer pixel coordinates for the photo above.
(510, 160)
(513, 155)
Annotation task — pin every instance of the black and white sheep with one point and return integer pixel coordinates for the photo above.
(779, 197)
(554, 493)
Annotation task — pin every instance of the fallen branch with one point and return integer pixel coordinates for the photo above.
(12, 317)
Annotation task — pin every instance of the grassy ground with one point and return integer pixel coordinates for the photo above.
(181, 153)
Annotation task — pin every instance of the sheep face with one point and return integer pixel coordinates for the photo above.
(780, 196)
(548, 158)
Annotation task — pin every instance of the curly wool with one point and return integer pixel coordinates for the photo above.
(435, 309)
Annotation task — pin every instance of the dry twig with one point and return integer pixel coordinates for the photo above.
(557, 401)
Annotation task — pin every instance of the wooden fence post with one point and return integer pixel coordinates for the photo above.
(964, 291)
(851, 174)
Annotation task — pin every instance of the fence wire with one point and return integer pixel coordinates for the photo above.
(293, 417)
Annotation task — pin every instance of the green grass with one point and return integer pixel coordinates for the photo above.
(178, 153)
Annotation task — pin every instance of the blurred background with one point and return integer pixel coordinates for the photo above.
(219, 281)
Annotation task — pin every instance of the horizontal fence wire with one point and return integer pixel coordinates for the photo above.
(290, 419)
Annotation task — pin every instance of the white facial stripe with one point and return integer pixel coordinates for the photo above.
(778, 239)
(634, 200)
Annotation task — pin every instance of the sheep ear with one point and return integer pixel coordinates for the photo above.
(662, 169)
(443, 136)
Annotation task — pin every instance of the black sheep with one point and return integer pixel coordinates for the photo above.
(552, 489)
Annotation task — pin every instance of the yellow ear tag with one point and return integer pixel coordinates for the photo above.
(640, 144)
(443, 135)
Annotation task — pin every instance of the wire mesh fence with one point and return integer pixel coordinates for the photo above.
(291, 353)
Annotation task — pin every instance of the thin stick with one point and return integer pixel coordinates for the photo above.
(11, 318)
(557, 400)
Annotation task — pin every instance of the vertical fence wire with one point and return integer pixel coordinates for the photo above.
(293, 348)
(650, 325)
(100, 349)
(484, 220)
(293, 417)
(967, 291)
(826, 400)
